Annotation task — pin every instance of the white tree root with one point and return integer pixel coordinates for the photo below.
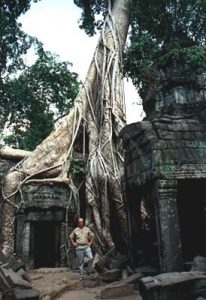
(100, 106)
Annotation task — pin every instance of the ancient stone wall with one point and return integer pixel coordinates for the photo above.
(168, 147)
(46, 205)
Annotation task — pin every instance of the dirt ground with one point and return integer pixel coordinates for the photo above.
(63, 284)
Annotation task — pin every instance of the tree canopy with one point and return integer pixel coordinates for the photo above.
(14, 42)
(32, 98)
(159, 30)
(42, 94)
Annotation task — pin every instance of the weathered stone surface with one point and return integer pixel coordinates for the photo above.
(14, 279)
(146, 271)
(132, 278)
(45, 195)
(21, 294)
(172, 286)
(115, 291)
(15, 283)
(15, 264)
(111, 260)
(171, 146)
(199, 264)
(110, 275)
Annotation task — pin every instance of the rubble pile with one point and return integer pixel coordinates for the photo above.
(15, 283)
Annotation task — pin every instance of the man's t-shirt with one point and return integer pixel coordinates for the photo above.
(81, 235)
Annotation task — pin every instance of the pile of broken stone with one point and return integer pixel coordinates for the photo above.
(15, 283)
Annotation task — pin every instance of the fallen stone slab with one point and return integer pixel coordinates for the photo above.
(172, 286)
(14, 279)
(15, 283)
(111, 260)
(20, 294)
(36, 277)
(132, 278)
(110, 275)
(15, 264)
(116, 291)
(4, 285)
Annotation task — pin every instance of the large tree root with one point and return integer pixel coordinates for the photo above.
(100, 107)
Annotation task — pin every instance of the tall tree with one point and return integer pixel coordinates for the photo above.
(37, 98)
(14, 43)
(99, 112)
(31, 98)
(161, 30)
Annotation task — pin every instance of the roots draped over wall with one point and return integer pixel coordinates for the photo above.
(99, 108)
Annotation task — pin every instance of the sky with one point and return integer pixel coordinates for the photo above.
(55, 24)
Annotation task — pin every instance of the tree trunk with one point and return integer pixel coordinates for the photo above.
(99, 108)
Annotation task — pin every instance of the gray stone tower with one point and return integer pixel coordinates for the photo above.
(165, 171)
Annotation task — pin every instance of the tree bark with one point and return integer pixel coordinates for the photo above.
(100, 107)
(10, 153)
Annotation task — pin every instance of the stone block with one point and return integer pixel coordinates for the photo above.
(172, 286)
(132, 278)
(116, 291)
(199, 264)
(111, 275)
(21, 294)
(14, 279)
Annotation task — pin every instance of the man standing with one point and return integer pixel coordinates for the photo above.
(82, 238)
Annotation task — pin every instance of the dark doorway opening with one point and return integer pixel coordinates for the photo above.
(45, 244)
(191, 202)
(143, 245)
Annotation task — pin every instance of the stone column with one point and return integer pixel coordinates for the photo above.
(168, 231)
(63, 241)
(20, 219)
(26, 242)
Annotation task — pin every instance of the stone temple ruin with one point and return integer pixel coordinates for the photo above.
(165, 171)
(165, 179)
(41, 227)
(41, 222)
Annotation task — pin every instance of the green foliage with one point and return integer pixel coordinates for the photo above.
(77, 165)
(193, 57)
(31, 98)
(43, 93)
(90, 9)
(14, 42)
(170, 30)
(161, 30)
(138, 60)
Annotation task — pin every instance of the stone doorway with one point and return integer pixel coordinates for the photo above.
(46, 244)
(191, 203)
(143, 247)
